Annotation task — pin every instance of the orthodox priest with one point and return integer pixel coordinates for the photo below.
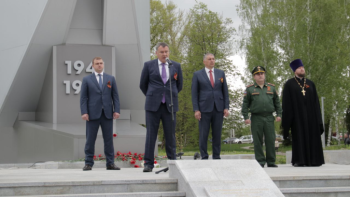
(301, 113)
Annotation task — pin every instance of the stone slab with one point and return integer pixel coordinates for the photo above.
(330, 156)
(326, 171)
(19, 177)
(217, 178)
(131, 194)
(102, 164)
(238, 156)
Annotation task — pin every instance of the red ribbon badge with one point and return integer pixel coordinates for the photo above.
(175, 76)
(109, 84)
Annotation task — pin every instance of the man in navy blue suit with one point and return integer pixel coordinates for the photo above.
(99, 105)
(155, 85)
(210, 102)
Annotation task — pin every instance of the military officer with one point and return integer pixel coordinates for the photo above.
(261, 100)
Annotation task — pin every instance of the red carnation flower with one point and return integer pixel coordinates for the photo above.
(135, 154)
(136, 166)
(94, 156)
(140, 158)
(155, 162)
(132, 162)
(114, 135)
(99, 155)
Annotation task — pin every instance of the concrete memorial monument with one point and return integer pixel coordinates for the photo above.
(49, 45)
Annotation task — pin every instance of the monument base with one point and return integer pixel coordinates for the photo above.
(40, 141)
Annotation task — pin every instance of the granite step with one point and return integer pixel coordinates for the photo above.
(329, 180)
(312, 181)
(110, 187)
(133, 194)
(317, 192)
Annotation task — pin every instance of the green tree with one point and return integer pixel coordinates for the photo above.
(167, 24)
(190, 36)
(207, 32)
(275, 32)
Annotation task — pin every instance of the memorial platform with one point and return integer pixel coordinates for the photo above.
(327, 180)
(42, 141)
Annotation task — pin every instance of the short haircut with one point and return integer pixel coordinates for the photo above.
(163, 44)
(96, 58)
(205, 56)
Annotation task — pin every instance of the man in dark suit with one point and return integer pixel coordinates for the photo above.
(210, 102)
(155, 85)
(99, 105)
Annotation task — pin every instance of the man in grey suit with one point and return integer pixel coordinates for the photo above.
(99, 105)
(210, 102)
(155, 85)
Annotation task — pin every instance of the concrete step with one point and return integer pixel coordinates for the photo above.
(312, 181)
(330, 180)
(317, 192)
(88, 187)
(133, 194)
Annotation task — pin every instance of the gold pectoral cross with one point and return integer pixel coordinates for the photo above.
(303, 91)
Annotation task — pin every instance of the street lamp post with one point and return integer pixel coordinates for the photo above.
(323, 134)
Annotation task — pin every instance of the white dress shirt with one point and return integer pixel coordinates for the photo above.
(208, 74)
(98, 77)
(161, 68)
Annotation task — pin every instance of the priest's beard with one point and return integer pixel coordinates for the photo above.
(301, 75)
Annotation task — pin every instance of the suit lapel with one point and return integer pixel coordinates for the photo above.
(94, 80)
(156, 66)
(216, 77)
(206, 78)
(171, 73)
(104, 81)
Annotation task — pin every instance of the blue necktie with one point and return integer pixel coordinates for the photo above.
(100, 81)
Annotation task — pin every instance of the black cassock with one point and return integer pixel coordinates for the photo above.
(302, 115)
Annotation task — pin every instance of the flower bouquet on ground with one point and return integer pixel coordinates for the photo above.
(136, 159)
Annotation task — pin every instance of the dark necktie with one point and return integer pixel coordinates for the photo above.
(100, 80)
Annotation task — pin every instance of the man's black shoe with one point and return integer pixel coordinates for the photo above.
(272, 165)
(147, 169)
(112, 167)
(298, 165)
(262, 165)
(87, 167)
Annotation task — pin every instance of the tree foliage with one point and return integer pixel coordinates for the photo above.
(190, 36)
(275, 32)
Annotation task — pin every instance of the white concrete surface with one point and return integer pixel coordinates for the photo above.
(222, 178)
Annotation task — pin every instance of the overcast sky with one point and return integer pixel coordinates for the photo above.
(226, 8)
